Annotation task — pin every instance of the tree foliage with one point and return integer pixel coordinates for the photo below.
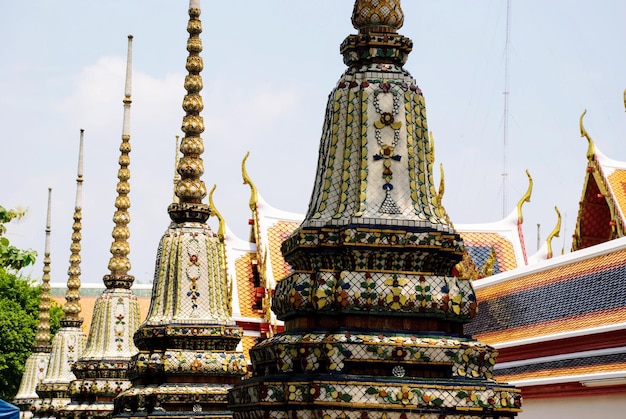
(10, 256)
(19, 310)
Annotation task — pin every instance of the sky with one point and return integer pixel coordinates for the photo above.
(269, 67)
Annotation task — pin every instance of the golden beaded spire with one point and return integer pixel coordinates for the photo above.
(42, 338)
(190, 189)
(72, 308)
(119, 264)
(377, 16)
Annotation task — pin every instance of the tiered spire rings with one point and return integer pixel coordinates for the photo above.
(37, 364)
(69, 342)
(101, 371)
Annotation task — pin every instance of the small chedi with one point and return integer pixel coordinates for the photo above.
(69, 341)
(37, 363)
(187, 359)
(101, 369)
(373, 313)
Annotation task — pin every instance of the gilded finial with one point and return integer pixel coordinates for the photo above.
(221, 231)
(42, 338)
(190, 189)
(377, 16)
(555, 232)
(254, 194)
(72, 308)
(525, 198)
(119, 264)
(591, 150)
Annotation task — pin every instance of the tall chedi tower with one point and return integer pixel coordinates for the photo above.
(373, 314)
(101, 370)
(69, 341)
(37, 363)
(187, 358)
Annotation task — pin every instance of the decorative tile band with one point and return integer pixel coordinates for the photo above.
(376, 294)
(319, 352)
(378, 396)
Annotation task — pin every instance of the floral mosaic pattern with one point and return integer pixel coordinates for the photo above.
(375, 395)
(190, 362)
(320, 352)
(447, 297)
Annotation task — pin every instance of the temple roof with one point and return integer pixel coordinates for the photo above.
(602, 207)
(559, 318)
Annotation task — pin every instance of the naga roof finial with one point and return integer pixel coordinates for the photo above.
(555, 232)
(591, 150)
(525, 198)
(254, 194)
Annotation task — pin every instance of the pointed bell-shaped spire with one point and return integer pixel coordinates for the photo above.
(69, 341)
(187, 358)
(37, 363)
(101, 371)
(372, 311)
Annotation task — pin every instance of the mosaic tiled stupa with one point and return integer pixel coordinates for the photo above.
(187, 358)
(101, 370)
(37, 363)
(373, 315)
(69, 341)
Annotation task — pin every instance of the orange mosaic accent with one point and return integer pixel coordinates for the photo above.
(561, 372)
(554, 275)
(245, 288)
(505, 253)
(617, 182)
(247, 342)
(567, 324)
(276, 235)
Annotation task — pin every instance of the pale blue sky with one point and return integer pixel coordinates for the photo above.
(269, 66)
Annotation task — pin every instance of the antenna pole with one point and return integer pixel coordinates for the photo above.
(506, 108)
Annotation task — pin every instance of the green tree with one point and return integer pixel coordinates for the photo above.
(19, 310)
(10, 256)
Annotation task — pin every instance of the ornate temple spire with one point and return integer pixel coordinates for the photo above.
(373, 312)
(187, 359)
(42, 338)
(190, 189)
(72, 309)
(69, 341)
(119, 264)
(101, 371)
(37, 363)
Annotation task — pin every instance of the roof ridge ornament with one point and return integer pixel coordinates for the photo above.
(591, 150)
(525, 198)
(555, 232)
(254, 193)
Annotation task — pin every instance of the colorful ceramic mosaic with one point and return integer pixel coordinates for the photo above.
(373, 313)
(187, 357)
